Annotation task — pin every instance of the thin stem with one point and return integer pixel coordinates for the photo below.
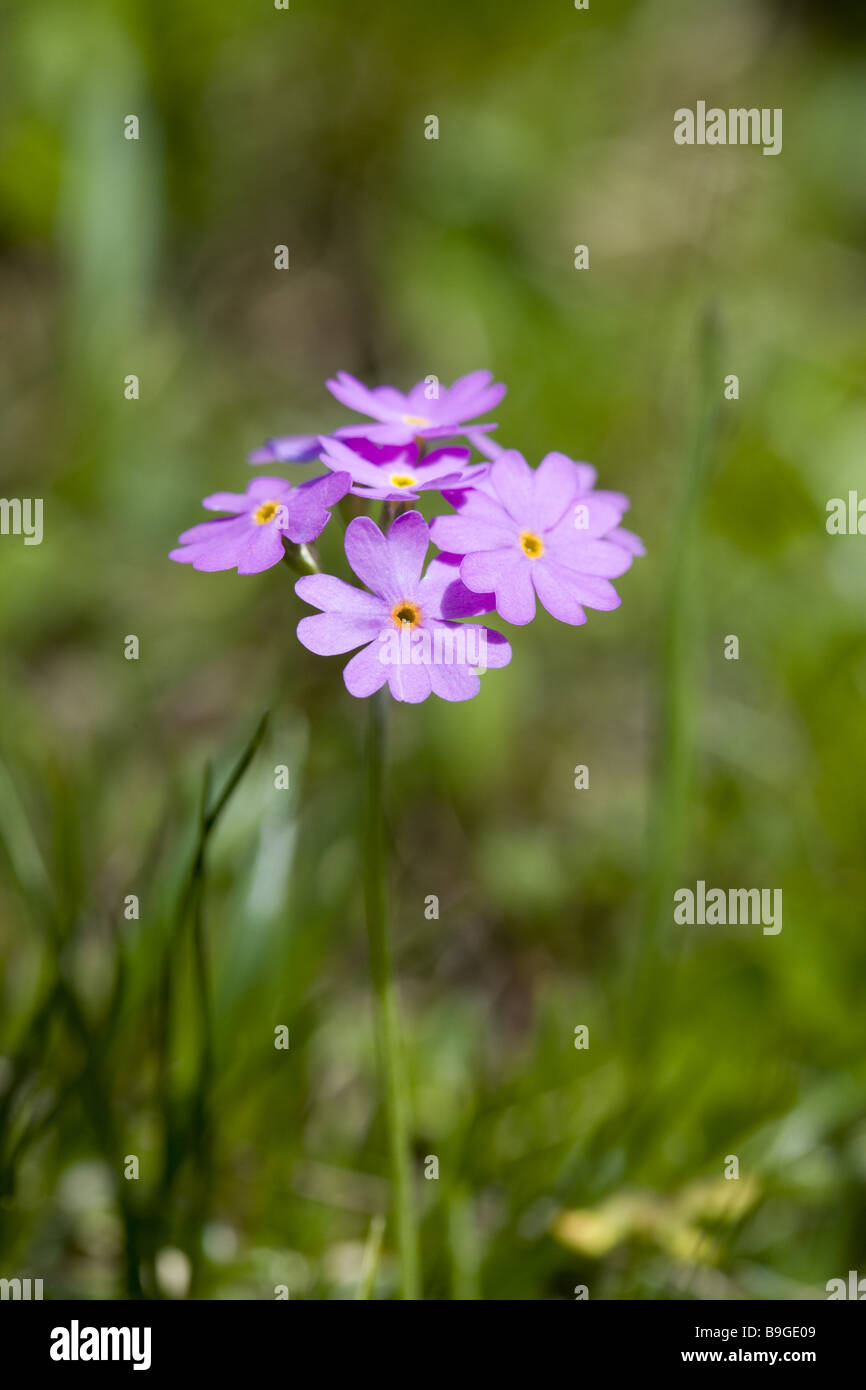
(680, 637)
(372, 1256)
(302, 559)
(387, 1024)
(192, 1136)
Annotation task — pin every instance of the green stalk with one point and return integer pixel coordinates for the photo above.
(191, 1137)
(372, 1255)
(675, 751)
(387, 1024)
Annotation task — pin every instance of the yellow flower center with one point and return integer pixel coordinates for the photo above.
(403, 480)
(405, 614)
(418, 420)
(531, 545)
(265, 513)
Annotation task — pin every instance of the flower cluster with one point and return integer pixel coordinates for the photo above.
(517, 536)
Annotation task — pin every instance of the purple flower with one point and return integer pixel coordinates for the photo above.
(485, 445)
(525, 532)
(399, 419)
(397, 472)
(405, 624)
(251, 539)
(289, 448)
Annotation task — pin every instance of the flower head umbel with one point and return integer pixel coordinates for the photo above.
(398, 473)
(428, 411)
(251, 538)
(541, 532)
(517, 536)
(403, 621)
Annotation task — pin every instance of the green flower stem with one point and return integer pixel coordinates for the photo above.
(387, 1024)
(372, 1256)
(302, 559)
(655, 959)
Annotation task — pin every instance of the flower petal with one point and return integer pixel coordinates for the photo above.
(563, 590)
(308, 513)
(228, 501)
(593, 557)
(339, 457)
(408, 541)
(506, 573)
(586, 476)
(469, 531)
(328, 634)
(557, 594)
(470, 396)
(367, 553)
(454, 682)
(498, 652)
(442, 592)
(511, 478)
(356, 396)
(409, 683)
(287, 448)
(365, 444)
(262, 549)
(589, 516)
(211, 531)
(628, 539)
(554, 486)
(264, 489)
(365, 673)
(334, 595)
(240, 545)
(477, 437)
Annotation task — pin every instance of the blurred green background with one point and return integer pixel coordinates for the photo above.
(557, 1167)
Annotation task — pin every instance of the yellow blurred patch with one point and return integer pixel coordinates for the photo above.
(673, 1223)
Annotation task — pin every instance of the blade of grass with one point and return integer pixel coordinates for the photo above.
(372, 1257)
(387, 1023)
(191, 1135)
(674, 757)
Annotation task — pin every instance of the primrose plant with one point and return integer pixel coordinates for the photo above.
(517, 536)
(514, 537)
